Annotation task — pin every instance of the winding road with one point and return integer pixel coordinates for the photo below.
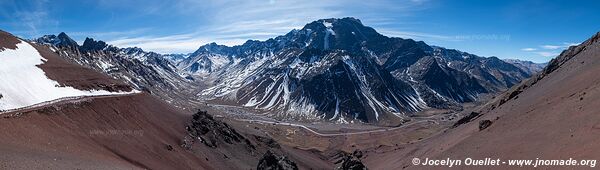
(333, 134)
(324, 134)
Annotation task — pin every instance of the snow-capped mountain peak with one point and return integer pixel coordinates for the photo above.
(340, 69)
(62, 40)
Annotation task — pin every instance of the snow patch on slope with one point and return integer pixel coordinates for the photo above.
(329, 32)
(327, 24)
(24, 84)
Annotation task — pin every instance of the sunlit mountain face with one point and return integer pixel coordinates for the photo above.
(344, 71)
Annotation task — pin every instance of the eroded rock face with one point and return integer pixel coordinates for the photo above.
(483, 124)
(468, 118)
(270, 142)
(212, 132)
(350, 161)
(271, 161)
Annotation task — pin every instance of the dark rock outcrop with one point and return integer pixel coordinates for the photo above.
(350, 161)
(90, 45)
(270, 161)
(269, 142)
(468, 118)
(483, 124)
(212, 133)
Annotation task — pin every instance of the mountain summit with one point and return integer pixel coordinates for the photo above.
(328, 34)
(341, 70)
(62, 40)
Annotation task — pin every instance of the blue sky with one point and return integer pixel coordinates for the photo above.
(535, 30)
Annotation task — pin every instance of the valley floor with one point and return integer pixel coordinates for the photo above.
(330, 137)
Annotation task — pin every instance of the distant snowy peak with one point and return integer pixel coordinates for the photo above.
(333, 33)
(528, 66)
(176, 58)
(211, 48)
(62, 40)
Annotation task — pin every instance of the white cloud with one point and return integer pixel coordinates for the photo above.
(547, 54)
(28, 17)
(182, 43)
(228, 22)
(233, 22)
(418, 35)
(528, 49)
(549, 50)
(137, 31)
(554, 47)
(571, 44)
(166, 44)
(551, 47)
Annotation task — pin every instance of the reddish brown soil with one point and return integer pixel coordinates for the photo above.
(121, 132)
(73, 75)
(7, 41)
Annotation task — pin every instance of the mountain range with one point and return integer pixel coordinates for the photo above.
(341, 70)
(551, 116)
(97, 106)
(331, 69)
(527, 66)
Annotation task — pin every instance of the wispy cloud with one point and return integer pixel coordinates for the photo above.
(528, 49)
(547, 54)
(549, 50)
(181, 43)
(195, 22)
(554, 47)
(125, 33)
(165, 44)
(234, 22)
(28, 16)
(436, 38)
(418, 35)
(551, 47)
